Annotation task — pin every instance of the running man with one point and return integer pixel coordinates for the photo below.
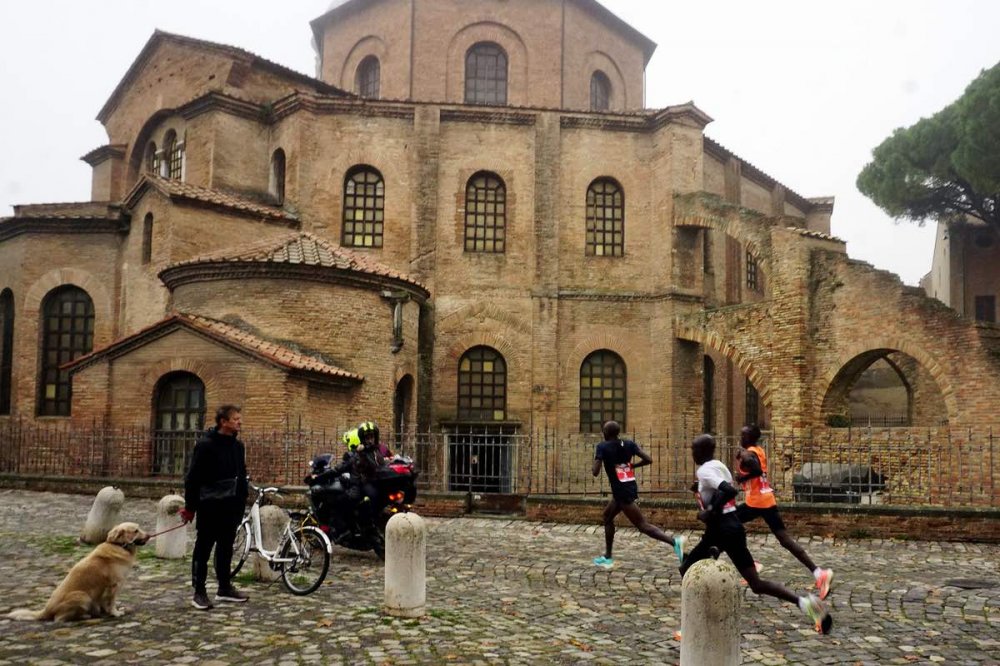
(615, 455)
(761, 503)
(723, 530)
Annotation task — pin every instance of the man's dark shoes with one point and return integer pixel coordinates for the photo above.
(200, 600)
(231, 595)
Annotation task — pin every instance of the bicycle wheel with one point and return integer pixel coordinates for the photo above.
(307, 569)
(241, 548)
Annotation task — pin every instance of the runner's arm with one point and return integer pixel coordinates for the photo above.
(597, 461)
(749, 466)
(644, 458)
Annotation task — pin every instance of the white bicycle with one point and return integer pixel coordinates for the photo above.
(302, 555)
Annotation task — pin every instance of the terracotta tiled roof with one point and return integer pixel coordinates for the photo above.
(815, 234)
(265, 350)
(177, 190)
(304, 249)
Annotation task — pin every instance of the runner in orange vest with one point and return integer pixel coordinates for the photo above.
(761, 503)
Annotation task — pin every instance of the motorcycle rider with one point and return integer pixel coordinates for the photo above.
(365, 455)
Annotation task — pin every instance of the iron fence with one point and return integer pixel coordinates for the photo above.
(958, 467)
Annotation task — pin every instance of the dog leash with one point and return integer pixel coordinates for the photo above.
(169, 529)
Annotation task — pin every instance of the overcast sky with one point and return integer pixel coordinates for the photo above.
(802, 89)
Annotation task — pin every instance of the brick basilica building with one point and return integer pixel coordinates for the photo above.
(469, 220)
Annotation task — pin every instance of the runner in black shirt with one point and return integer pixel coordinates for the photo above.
(615, 455)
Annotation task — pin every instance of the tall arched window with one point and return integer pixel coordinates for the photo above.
(486, 74)
(152, 159)
(367, 78)
(600, 91)
(364, 204)
(482, 385)
(708, 395)
(67, 334)
(605, 219)
(276, 180)
(147, 238)
(602, 390)
(173, 153)
(485, 213)
(6, 348)
(180, 414)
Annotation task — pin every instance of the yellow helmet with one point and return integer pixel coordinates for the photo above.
(352, 439)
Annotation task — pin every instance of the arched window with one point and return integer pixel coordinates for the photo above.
(605, 219)
(752, 414)
(486, 74)
(753, 273)
(276, 181)
(364, 204)
(173, 153)
(482, 385)
(147, 238)
(6, 348)
(485, 213)
(180, 415)
(67, 334)
(600, 91)
(152, 159)
(366, 79)
(602, 390)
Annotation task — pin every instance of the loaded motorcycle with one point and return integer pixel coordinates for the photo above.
(335, 501)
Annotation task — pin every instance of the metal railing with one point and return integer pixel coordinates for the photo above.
(953, 467)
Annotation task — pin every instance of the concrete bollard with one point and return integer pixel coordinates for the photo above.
(272, 525)
(173, 544)
(710, 608)
(103, 515)
(405, 565)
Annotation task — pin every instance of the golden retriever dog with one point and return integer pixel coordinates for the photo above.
(91, 586)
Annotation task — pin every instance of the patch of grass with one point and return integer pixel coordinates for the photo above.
(62, 545)
(245, 577)
(859, 533)
(440, 614)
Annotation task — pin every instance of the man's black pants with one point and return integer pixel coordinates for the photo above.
(216, 527)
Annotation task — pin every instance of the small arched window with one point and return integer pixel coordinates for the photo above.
(67, 334)
(367, 78)
(486, 74)
(602, 391)
(147, 238)
(364, 207)
(605, 219)
(600, 91)
(482, 385)
(276, 180)
(754, 282)
(173, 153)
(180, 415)
(152, 159)
(6, 348)
(485, 213)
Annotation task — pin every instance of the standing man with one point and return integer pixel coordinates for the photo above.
(761, 503)
(216, 489)
(723, 530)
(615, 455)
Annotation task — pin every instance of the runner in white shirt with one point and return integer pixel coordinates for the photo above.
(724, 531)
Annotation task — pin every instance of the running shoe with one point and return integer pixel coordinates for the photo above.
(679, 547)
(824, 581)
(818, 613)
(604, 562)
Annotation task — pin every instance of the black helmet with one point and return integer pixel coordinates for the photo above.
(321, 463)
(367, 428)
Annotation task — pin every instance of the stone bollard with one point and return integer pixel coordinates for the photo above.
(272, 524)
(103, 515)
(405, 565)
(173, 544)
(710, 607)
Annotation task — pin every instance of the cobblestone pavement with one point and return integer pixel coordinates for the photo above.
(499, 591)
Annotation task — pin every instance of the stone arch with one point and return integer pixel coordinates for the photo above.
(208, 373)
(514, 357)
(623, 343)
(599, 60)
(713, 340)
(369, 45)
(501, 35)
(836, 382)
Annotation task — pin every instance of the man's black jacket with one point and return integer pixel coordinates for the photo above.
(218, 472)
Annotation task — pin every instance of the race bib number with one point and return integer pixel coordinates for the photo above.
(625, 472)
(765, 485)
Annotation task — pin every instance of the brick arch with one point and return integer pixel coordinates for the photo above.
(600, 60)
(63, 277)
(487, 31)
(514, 358)
(620, 342)
(153, 129)
(488, 310)
(700, 220)
(208, 373)
(832, 376)
(714, 341)
(369, 45)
